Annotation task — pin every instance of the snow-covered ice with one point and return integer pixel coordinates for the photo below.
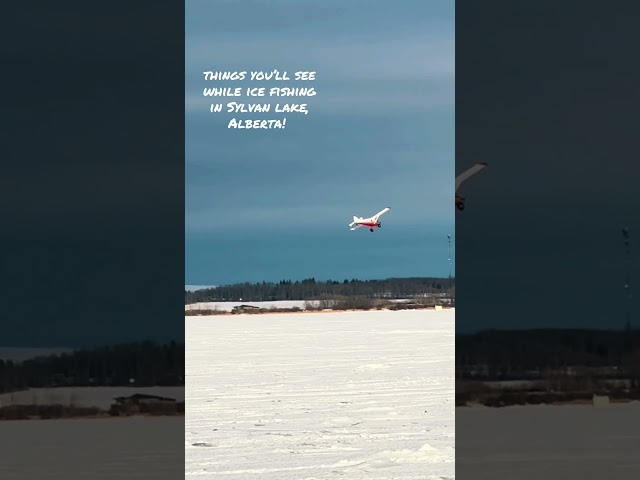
(101, 449)
(358, 395)
(551, 442)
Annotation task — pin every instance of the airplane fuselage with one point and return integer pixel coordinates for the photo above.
(368, 223)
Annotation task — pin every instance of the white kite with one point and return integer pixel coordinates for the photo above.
(464, 176)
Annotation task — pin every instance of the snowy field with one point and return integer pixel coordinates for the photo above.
(549, 442)
(357, 395)
(102, 397)
(129, 448)
(228, 306)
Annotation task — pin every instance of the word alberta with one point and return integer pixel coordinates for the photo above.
(257, 123)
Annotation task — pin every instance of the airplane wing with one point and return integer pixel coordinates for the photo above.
(469, 173)
(379, 214)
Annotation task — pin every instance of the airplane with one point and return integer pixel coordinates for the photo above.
(370, 222)
(470, 172)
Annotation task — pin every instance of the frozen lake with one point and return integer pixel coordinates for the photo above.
(357, 395)
(549, 442)
(129, 448)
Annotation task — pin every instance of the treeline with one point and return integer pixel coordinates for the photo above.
(542, 353)
(136, 364)
(310, 289)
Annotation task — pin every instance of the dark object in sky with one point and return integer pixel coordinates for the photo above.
(626, 234)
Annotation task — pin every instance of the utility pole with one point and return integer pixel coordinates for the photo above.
(626, 237)
(449, 240)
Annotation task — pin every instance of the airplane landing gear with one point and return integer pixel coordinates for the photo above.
(371, 229)
(460, 206)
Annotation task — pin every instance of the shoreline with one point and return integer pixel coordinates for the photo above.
(568, 403)
(95, 402)
(503, 399)
(293, 311)
(56, 411)
(104, 416)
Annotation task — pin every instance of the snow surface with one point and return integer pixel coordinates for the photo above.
(549, 442)
(101, 449)
(102, 397)
(357, 395)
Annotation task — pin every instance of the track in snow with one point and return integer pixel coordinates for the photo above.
(358, 395)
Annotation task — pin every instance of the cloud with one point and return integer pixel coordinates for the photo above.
(394, 97)
(355, 69)
(422, 56)
(257, 17)
(380, 130)
(326, 202)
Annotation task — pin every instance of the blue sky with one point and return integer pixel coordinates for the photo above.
(273, 204)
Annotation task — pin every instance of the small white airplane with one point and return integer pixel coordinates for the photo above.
(470, 172)
(370, 222)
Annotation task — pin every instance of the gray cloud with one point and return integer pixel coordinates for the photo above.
(380, 131)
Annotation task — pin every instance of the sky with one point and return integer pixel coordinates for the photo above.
(274, 204)
(92, 175)
(540, 241)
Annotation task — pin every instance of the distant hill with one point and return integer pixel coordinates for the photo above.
(193, 288)
(18, 354)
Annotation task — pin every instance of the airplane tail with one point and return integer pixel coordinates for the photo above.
(355, 219)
